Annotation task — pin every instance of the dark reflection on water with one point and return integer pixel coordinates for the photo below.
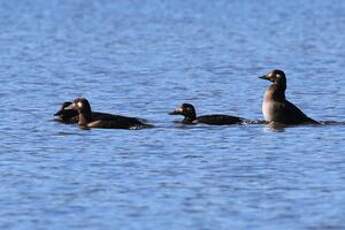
(142, 58)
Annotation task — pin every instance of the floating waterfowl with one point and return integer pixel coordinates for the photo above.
(190, 117)
(276, 108)
(86, 119)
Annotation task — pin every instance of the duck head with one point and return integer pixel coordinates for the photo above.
(63, 108)
(66, 114)
(276, 76)
(186, 110)
(83, 107)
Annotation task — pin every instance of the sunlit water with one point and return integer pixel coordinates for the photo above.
(144, 58)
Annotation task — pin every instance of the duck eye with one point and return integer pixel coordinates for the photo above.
(79, 104)
(278, 75)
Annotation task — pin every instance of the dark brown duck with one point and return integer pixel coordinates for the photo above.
(88, 119)
(69, 115)
(275, 106)
(190, 117)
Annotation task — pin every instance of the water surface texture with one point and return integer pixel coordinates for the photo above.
(144, 58)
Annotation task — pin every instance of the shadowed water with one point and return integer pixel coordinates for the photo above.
(144, 58)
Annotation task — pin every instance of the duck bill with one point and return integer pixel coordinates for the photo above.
(264, 78)
(71, 106)
(177, 111)
(58, 113)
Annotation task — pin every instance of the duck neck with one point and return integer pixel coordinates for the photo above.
(189, 118)
(282, 85)
(85, 117)
(277, 91)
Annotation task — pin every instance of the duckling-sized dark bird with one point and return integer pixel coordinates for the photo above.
(276, 108)
(65, 115)
(189, 113)
(86, 118)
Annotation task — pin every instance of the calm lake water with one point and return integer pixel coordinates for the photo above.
(144, 58)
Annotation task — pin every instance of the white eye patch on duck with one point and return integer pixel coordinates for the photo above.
(79, 104)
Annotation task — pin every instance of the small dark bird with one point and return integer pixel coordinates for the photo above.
(68, 116)
(188, 111)
(276, 108)
(86, 119)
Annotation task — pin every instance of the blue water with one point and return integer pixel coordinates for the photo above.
(144, 58)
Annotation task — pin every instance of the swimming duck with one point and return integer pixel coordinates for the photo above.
(86, 118)
(276, 108)
(68, 116)
(189, 113)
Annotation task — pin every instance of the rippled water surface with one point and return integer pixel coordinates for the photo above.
(143, 58)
